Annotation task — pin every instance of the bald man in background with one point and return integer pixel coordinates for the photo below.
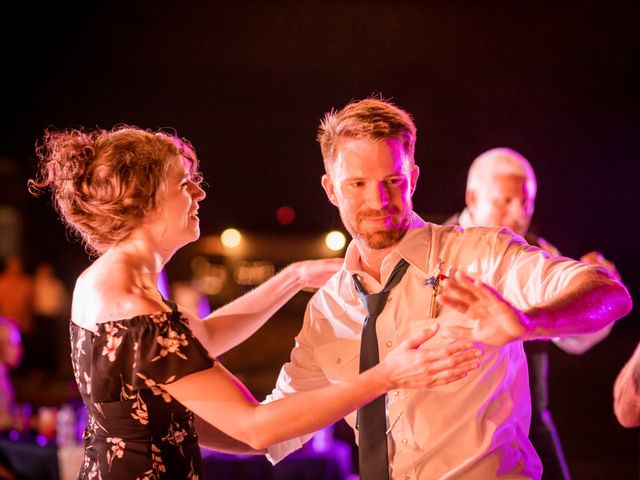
(501, 192)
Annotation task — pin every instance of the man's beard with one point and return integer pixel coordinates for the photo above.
(379, 239)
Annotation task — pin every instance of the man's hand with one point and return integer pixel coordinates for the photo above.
(495, 321)
(596, 258)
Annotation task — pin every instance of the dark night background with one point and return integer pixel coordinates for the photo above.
(247, 84)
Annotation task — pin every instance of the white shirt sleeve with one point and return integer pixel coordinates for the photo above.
(527, 275)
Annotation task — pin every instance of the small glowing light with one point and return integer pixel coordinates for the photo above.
(285, 215)
(335, 240)
(231, 238)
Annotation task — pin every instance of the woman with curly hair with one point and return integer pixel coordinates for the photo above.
(145, 367)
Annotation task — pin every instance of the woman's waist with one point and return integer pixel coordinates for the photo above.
(137, 425)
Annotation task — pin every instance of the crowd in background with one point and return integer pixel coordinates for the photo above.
(34, 344)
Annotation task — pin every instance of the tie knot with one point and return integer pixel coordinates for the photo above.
(374, 302)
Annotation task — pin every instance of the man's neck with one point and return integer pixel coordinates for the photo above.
(371, 260)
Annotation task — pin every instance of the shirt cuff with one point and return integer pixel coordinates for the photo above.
(278, 451)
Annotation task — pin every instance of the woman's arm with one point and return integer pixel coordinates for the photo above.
(215, 439)
(222, 400)
(233, 323)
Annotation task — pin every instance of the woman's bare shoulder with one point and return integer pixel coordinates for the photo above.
(104, 295)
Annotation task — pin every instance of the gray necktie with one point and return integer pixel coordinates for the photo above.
(372, 418)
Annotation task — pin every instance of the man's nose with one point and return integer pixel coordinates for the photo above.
(378, 196)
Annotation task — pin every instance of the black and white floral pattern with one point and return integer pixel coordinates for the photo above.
(136, 430)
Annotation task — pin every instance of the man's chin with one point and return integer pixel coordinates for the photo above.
(381, 240)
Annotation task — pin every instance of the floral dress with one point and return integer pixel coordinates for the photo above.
(136, 430)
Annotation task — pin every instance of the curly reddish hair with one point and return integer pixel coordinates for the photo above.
(105, 182)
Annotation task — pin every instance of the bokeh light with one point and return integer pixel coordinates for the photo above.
(285, 215)
(231, 238)
(335, 240)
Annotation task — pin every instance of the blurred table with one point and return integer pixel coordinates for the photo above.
(334, 463)
(35, 462)
(31, 461)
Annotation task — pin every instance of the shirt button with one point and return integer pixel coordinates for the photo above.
(389, 299)
(407, 478)
(395, 393)
(339, 361)
(404, 441)
(389, 344)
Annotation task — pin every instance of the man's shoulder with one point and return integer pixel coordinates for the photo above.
(455, 231)
(538, 241)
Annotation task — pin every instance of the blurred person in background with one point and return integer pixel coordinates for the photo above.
(501, 192)
(16, 302)
(50, 295)
(16, 294)
(51, 310)
(11, 352)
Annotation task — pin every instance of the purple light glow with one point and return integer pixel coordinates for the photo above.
(163, 284)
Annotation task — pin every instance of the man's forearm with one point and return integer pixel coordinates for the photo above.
(592, 301)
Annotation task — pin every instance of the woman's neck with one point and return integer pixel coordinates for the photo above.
(143, 262)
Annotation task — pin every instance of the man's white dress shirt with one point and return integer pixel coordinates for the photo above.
(473, 428)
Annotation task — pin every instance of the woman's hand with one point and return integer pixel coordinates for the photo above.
(314, 274)
(413, 364)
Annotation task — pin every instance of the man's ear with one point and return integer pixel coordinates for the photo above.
(329, 189)
(415, 173)
(470, 199)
